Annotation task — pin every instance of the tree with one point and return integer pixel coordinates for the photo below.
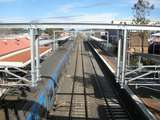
(18, 30)
(50, 31)
(141, 10)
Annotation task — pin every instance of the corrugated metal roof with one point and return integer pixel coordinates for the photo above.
(11, 45)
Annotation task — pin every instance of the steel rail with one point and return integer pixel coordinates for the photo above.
(101, 89)
(80, 26)
(114, 92)
(73, 85)
(140, 105)
(84, 83)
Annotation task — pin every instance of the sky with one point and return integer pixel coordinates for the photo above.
(101, 11)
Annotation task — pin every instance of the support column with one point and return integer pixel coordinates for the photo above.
(118, 60)
(32, 47)
(52, 45)
(90, 35)
(91, 32)
(139, 61)
(37, 60)
(124, 59)
(107, 39)
(54, 41)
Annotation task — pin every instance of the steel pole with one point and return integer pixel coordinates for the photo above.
(107, 39)
(54, 41)
(32, 47)
(37, 60)
(124, 59)
(52, 45)
(118, 60)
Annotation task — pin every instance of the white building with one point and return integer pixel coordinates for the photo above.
(152, 22)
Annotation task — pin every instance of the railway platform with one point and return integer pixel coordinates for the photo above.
(84, 92)
(76, 80)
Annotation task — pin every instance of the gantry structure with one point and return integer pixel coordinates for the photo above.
(122, 74)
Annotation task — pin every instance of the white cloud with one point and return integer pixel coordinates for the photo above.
(13, 19)
(97, 17)
(91, 5)
(79, 5)
(155, 2)
(66, 8)
(125, 3)
(5, 1)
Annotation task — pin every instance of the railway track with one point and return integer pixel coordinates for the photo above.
(86, 93)
(114, 109)
(84, 83)
(78, 105)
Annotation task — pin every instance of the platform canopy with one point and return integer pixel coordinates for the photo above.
(20, 58)
(156, 34)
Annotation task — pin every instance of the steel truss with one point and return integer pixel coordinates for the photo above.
(142, 75)
(138, 76)
(31, 77)
(123, 77)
